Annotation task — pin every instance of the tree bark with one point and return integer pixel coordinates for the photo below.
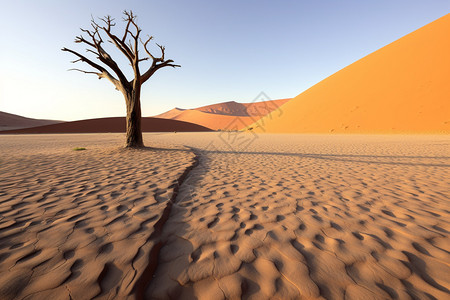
(133, 120)
(128, 45)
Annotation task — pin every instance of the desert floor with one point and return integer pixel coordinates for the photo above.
(225, 215)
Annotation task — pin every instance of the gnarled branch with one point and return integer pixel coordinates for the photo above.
(103, 73)
(128, 45)
(156, 67)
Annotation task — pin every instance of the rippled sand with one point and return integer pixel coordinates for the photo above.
(257, 216)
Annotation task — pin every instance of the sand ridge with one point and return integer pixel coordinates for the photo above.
(82, 224)
(11, 121)
(277, 217)
(232, 108)
(225, 116)
(109, 125)
(400, 88)
(333, 218)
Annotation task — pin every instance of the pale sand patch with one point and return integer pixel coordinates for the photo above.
(261, 216)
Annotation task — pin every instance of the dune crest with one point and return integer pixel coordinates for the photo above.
(116, 124)
(11, 121)
(225, 116)
(400, 88)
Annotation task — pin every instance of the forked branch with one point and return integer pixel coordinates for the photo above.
(128, 45)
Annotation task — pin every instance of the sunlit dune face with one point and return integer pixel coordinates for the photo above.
(401, 88)
(225, 116)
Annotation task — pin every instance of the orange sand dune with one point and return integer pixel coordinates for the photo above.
(401, 88)
(265, 107)
(215, 121)
(233, 108)
(224, 116)
(116, 124)
(171, 113)
(10, 121)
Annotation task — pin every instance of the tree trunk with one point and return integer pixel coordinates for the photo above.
(134, 132)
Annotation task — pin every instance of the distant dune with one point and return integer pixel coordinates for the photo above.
(10, 121)
(403, 87)
(233, 108)
(214, 121)
(227, 115)
(112, 125)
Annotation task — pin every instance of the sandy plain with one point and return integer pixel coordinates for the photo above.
(225, 215)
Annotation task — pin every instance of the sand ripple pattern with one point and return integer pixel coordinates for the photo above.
(77, 225)
(305, 217)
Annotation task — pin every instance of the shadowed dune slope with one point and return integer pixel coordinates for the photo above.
(403, 87)
(225, 116)
(10, 121)
(215, 121)
(232, 108)
(116, 124)
(171, 113)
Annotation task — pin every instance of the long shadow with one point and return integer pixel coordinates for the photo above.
(336, 157)
(144, 280)
(202, 166)
(331, 157)
(187, 191)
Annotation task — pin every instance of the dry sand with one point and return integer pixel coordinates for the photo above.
(400, 88)
(213, 121)
(80, 224)
(225, 116)
(259, 217)
(10, 122)
(108, 125)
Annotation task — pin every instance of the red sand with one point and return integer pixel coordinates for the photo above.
(225, 116)
(232, 108)
(116, 124)
(10, 121)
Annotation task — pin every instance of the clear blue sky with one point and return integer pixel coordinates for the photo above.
(229, 50)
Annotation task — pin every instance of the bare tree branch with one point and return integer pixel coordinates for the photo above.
(128, 44)
(121, 45)
(128, 47)
(103, 72)
(85, 59)
(162, 51)
(87, 72)
(102, 55)
(156, 67)
(146, 50)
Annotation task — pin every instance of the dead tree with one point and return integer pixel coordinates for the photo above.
(128, 45)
